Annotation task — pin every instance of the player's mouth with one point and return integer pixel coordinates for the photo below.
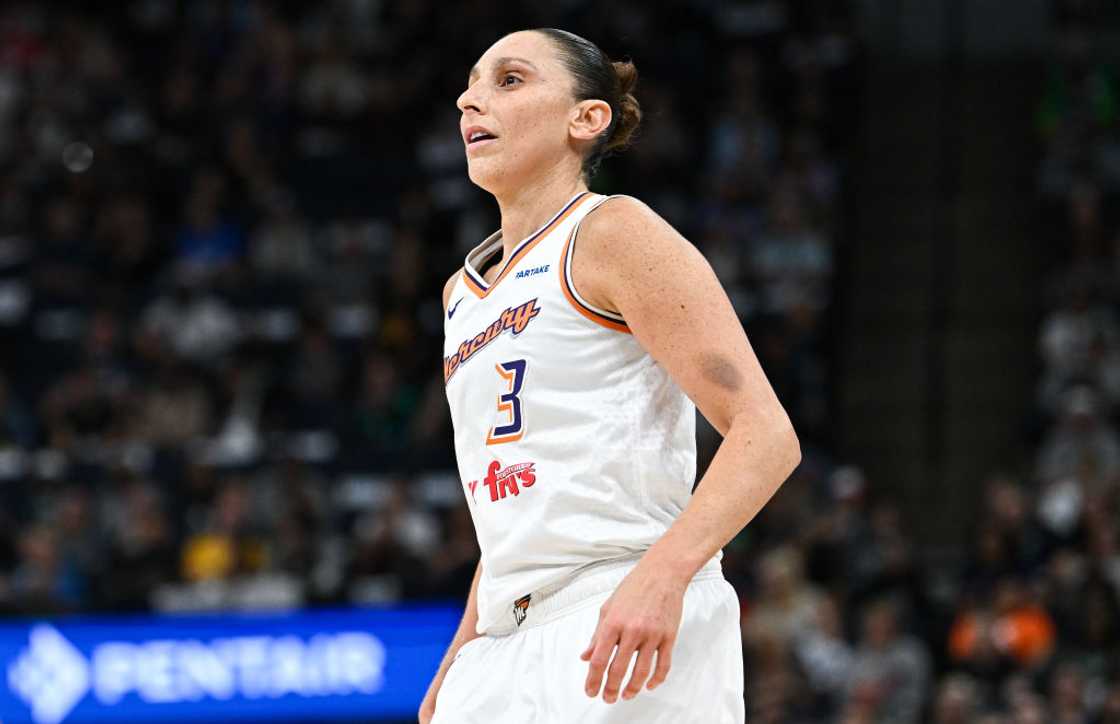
(477, 137)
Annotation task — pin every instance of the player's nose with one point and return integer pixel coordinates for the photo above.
(470, 99)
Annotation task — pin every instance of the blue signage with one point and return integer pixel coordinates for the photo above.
(363, 664)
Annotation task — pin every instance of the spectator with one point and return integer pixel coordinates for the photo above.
(786, 605)
(1067, 697)
(43, 581)
(226, 544)
(890, 671)
(825, 657)
(393, 540)
(207, 243)
(1014, 629)
(1083, 444)
(956, 701)
(142, 553)
(17, 425)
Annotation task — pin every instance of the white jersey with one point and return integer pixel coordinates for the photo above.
(574, 447)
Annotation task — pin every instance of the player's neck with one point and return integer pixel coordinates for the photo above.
(526, 209)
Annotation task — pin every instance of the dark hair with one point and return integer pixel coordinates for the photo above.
(597, 77)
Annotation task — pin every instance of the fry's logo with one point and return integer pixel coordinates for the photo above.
(514, 319)
(503, 481)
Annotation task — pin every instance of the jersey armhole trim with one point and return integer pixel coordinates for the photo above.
(602, 317)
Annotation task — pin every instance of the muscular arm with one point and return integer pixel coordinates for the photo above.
(630, 260)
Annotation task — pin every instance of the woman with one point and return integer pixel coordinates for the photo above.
(580, 339)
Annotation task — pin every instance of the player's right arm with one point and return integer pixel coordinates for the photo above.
(467, 631)
(467, 627)
(449, 287)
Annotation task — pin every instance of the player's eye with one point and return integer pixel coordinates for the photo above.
(508, 79)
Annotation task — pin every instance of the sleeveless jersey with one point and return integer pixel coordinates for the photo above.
(574, 447)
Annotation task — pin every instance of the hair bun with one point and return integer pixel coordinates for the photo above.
(627, 74)
(630, 113)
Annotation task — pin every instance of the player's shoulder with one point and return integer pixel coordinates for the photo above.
(624, 227)
(618, 211)
(449, 286)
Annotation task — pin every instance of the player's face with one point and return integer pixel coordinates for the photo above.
(516, 112)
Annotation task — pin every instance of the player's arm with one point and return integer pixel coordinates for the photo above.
(448, 287)
(469, 623)
(465, 633)
(628, 259)
(467, 626)
(631, 260)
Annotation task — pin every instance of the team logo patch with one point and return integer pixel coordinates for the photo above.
(521, 608)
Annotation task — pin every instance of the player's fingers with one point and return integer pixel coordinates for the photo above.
(600, 657)
(664, 661)
(641, 671)
(591, 646)
(622, 657)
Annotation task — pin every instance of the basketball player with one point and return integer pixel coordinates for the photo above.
(580, 339)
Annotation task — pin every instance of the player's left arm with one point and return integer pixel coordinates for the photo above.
(632, 261)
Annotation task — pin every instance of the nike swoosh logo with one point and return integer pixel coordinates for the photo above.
(451, 310)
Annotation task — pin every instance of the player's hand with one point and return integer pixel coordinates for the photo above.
(642, 616)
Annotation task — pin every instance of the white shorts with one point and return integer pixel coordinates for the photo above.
(535, 674)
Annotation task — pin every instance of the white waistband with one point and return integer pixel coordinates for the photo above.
(554, 601)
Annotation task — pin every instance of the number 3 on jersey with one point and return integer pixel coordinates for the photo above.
(513, 374)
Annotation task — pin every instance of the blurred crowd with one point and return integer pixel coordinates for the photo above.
(848, 619)
(224, 228)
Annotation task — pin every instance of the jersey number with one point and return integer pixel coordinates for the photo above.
(513, 374)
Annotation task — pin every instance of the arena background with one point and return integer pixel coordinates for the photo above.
(227, 486)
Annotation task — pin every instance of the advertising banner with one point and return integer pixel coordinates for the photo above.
(339, 665)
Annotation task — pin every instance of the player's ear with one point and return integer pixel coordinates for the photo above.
(589, 119)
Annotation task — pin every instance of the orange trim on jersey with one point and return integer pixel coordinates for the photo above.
(500, 440)
(586, 311)
(473, 286)
(481, 291)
